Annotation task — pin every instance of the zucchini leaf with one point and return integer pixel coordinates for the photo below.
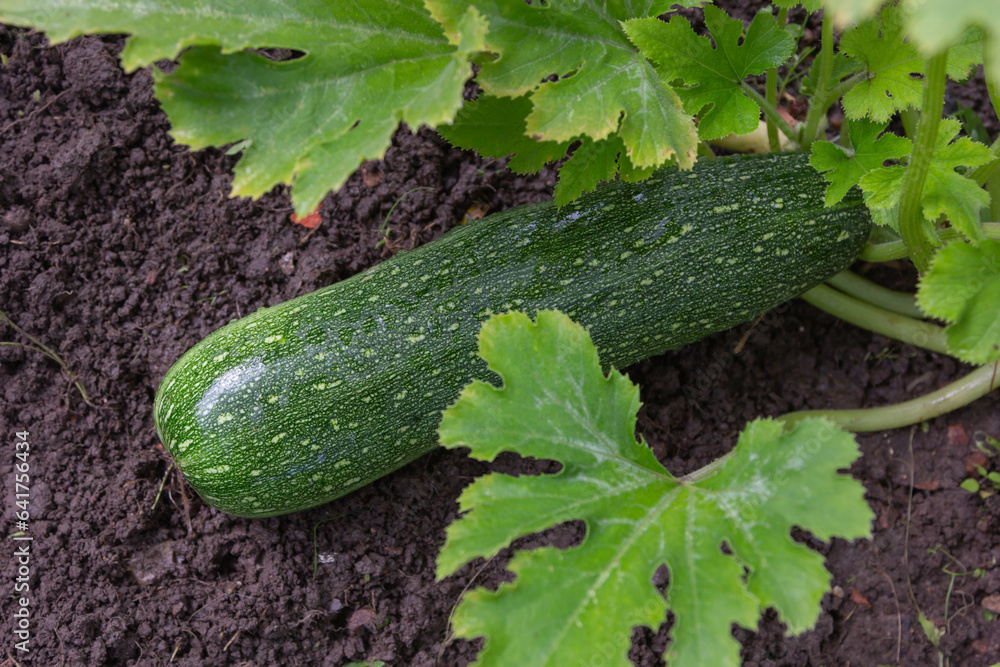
(310, 121)
(566, 606)
(963, 288)
(589, 164)
(713, 75)
(946, 192)
(497, 127)
(844, 166)
(604, 86)
(893, 66)
(933, 25)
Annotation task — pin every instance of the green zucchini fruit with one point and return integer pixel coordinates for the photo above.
(297, 404)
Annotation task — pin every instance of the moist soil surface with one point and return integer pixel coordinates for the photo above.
(120, 249)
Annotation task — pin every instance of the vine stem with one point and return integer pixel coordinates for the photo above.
(39, 346)
(772, 91)
(911, 218)
(987, 174)
(861, 288)
(886, 252)
(841, 88)
(818, 104)
(990, 72)
(770, 111)
(881, 321)
(973, 386)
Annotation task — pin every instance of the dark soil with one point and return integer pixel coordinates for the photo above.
(121, 249)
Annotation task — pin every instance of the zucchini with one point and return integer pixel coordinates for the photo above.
(297, 404)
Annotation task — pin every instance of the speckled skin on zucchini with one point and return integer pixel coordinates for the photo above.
(295, 405)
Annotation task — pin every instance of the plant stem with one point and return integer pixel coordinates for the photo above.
(770, 111)
(881, 321)
(838, 91)
(973, 386)
(819, 103)
(772, 98)
(911, 120)
(911, 218)
(885, 252)
(39, 346)
(861, 288)
(987, 174)
(993, 187)
(384, 227)
(772, 91)
(989, 72)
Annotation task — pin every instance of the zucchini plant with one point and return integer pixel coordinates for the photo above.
(625, 92)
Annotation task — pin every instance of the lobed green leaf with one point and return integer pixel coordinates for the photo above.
(713, 75)
(310, 121)
(963, 288)
(845, 166)
(497, 127)
(604, 85)
(934, 25)
(893, 66)
(946, 192)
(567, 606)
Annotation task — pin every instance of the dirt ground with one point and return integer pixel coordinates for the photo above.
(120, 250)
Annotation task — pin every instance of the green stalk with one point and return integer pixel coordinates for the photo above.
(39, 346)
(770, 111)
(886, 252)
(911, 219)
(973, 386)
(772, 91)
(989, 72)
(863, 289)
(881, 321)
(986, 174)
(993, 187)
(819, 103)
(911, 120)
(841, 88)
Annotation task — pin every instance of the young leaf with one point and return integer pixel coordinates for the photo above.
(937, 24)
(714, 74)
(963, 288)
(604, 87)
(566, 606)
(893, 67)
(311, 120)
(496, 127)
(845, 166)
(934, 25)
(965, 54)
(946, 192)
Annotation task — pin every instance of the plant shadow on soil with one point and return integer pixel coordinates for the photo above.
(120, 250)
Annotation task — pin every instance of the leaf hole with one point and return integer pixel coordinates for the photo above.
(280, 55)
